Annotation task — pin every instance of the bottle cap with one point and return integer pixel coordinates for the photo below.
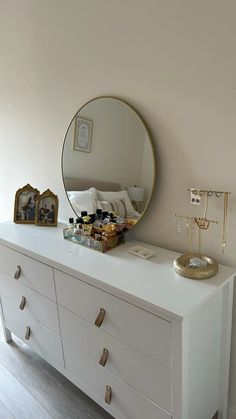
(71, 220)
(92, 217)
(79, 220)
(104, 214)
(84, 213)
(98, 211)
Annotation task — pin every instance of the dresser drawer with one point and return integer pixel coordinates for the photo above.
(126, 402)
(146, 375)
(34, 274)
(143, 331)
(36, 305)
(41, 339)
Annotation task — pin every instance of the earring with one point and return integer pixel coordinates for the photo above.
(178, 227)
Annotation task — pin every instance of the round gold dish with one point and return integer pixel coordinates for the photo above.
(181, 267)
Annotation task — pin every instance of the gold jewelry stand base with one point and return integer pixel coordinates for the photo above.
(181, 267)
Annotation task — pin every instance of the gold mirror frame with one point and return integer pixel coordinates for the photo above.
(150, 142)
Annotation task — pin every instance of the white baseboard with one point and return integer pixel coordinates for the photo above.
(231, 414)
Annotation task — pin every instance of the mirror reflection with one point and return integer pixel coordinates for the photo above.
(108, 161)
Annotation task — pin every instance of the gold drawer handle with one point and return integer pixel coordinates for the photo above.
(103, 359)
(27, 333)
(22, 304)
(18, 272)
(100, 317)
(108, 395)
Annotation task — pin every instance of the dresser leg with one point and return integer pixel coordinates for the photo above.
(7, 334)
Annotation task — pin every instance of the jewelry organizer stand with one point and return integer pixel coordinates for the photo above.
(205, 266)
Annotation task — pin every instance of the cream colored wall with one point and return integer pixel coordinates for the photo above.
(173, 60)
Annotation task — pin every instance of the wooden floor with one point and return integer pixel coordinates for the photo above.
(31, 389)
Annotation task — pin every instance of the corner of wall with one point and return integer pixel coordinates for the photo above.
(231, 414)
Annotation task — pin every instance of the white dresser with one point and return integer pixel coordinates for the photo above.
(140, 340)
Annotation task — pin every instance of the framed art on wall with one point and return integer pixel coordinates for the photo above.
(83, 134)
(25, 204)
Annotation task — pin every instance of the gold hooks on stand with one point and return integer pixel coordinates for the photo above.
(201, 192)
(185, 217)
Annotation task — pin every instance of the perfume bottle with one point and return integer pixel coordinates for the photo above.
(92, 218)
(121, 224)
(107, 235)
(110, 218)
(87, 225)
(86, 218)
(97, 235)
(79, 226)
(104, 214)
(98, 213)
(98, 222)
(71, 225)
(109, 226)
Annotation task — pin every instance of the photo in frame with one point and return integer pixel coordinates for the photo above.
(25, 205)
(83, 134)
(46, 209)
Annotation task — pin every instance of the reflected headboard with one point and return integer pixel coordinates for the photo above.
(73, 184)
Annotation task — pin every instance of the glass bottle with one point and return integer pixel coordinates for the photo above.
(71, 225)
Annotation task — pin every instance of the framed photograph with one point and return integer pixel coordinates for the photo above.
(46, 209)
(83, 134)
(25, 205)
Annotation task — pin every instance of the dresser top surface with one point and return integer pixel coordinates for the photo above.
(152, 283)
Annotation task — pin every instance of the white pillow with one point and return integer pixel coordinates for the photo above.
(112, 196)
(116, 206)
(83, 200)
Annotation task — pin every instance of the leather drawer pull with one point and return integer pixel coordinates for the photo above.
(103, 359)
(22, 304)
(108, 395)
(18, 272)
(100, 317)
(27, 333)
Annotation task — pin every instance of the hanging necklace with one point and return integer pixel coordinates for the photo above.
(203, 222)
(226, 196)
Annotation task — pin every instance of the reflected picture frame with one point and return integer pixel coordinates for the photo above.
(82, 134)
(25, 205)
(46, 212)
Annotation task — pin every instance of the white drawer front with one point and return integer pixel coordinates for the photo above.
(146, 375)
(143, 331)
(127, 402)
(41, 340)
(36, 305)
(34, 274)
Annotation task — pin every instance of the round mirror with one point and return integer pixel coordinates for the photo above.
(108, 161)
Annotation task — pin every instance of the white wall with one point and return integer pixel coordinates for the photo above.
(173, 60)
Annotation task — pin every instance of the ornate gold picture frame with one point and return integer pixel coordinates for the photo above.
(25, 205)
(46, 209)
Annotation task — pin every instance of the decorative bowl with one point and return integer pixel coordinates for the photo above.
(181, 266)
